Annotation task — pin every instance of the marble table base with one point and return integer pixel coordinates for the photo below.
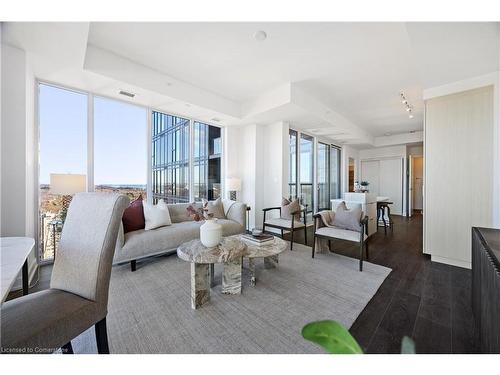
(269, 262)
(200, 284)
(231, 277)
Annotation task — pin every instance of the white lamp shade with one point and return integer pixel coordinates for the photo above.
(67, 184)
(233, 184)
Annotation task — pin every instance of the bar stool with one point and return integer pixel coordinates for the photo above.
(382, 207)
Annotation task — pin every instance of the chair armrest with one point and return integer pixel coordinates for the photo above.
(271, 208)
(363, 221)
(237, 212)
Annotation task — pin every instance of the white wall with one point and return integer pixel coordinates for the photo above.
(17, 147)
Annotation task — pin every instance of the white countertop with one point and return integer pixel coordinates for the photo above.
(13, 253)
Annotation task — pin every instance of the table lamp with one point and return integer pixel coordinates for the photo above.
(67, 185)
(233, 185)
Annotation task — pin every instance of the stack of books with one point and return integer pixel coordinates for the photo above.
(262, 239)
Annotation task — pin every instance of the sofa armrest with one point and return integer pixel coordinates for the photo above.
(120, 239)
(236, 211)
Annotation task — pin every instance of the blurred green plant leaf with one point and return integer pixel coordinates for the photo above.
(407, 346)
(332, 337)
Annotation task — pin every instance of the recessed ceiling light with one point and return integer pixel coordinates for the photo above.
(410, 116)
(215, 119)
(260, 35)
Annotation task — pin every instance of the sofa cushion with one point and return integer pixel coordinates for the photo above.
(142, 243)
(279, 222)
(178, 211)
(342, 234)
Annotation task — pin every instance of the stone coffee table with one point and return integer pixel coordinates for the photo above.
(269, 251)
(229, 252)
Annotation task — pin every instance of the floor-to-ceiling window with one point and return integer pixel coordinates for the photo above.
(314, 189)
(206, 161)
(292, 165)
(120, 147)
(170, 158)
(335, 153)
(62, 159)
(306, 170)
(323, 175)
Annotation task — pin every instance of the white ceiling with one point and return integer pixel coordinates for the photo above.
(354, 70)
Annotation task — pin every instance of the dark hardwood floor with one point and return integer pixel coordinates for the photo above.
(428, 301)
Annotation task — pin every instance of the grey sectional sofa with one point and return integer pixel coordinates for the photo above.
(142, 243)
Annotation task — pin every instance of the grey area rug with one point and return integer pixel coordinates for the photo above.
(150, 311)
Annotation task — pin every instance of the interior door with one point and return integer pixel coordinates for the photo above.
(391, 183)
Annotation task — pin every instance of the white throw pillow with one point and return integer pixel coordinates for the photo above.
(156, 215)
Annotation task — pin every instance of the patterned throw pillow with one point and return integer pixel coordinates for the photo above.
(216, 208)
(290, 207)
(347, 219)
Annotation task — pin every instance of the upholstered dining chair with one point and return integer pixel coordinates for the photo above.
(331, 232)
(291, 225)
(77, 298)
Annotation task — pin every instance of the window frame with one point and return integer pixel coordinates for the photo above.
(90, 147)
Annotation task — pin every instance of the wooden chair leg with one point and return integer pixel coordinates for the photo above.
(101, 336)
(291, 240)
(305, 234)
(361, 257)
(366, 250)
(133, 265)
(329, 245)
(282, 234)
(67, 348)
(314, 245)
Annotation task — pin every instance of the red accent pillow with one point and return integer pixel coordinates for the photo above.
(133, 217)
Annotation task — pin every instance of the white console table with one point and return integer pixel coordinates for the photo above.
(14, 252)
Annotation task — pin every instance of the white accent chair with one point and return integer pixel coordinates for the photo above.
(333, 233)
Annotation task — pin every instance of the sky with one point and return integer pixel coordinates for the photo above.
(120, 138)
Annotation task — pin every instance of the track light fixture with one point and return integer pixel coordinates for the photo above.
(407, 105)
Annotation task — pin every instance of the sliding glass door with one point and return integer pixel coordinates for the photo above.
(306, 168)
(207, 161)
(292, 165)
(334, 172)
(302, 181)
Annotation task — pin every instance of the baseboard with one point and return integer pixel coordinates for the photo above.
(451, 262)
